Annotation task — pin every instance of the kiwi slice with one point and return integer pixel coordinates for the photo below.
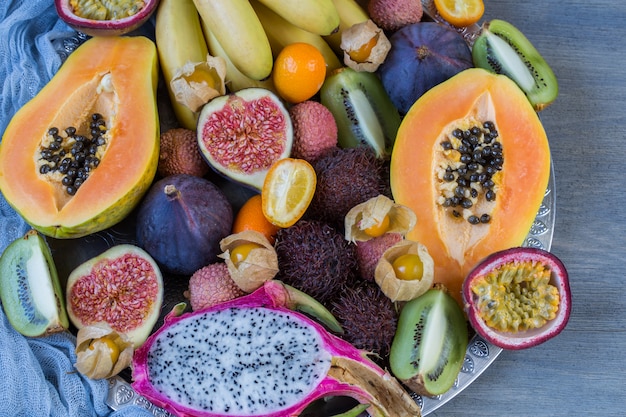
(362, 109)
(30, 289)
(503, 49)
(429, 346)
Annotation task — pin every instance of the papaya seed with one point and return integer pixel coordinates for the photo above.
(473, 156)
(74, 155)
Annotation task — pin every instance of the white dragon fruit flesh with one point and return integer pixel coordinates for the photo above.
(253, 356)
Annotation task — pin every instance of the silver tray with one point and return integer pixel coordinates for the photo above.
(479, 356)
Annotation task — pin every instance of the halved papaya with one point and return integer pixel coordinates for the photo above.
(472, 159)
(78, 157)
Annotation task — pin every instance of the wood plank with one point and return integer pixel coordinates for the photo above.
(581, 372)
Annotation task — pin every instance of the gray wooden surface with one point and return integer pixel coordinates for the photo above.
(582, 371)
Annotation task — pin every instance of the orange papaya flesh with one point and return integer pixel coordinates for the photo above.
(117, 78)
(470, 98)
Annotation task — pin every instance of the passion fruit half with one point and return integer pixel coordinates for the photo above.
(518, 298)
(105, 18)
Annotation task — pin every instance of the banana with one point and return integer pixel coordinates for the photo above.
(238, 29)
(316, 16)
(235, 79)
(350, 13)
(281, 33)
(179, 40)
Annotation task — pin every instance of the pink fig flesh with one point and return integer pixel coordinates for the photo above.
(254, 357)
(122, 287)
(518, 298)
(242, 134)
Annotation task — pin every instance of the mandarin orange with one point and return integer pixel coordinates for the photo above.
(251, 217)
(299, 72)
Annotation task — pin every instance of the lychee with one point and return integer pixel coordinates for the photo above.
(391, 15)
(314, 128)
(212, 285)
(370, 251)
(179, 154)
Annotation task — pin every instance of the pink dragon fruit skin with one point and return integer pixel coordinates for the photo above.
(345, 370)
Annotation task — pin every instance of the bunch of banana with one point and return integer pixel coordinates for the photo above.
(179, 40)
(238, 29)
(281, 32)
(247, 35)
(315, 16)
(252, 32)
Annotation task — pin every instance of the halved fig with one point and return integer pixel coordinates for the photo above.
(105, 18)
(242, 134)
(518, 298)
(122, 288)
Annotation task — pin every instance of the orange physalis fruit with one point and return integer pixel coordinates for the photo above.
(365, 50)
(288, 190)
(379, 229)
(408, 267)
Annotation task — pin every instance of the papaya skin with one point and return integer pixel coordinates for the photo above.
(129, 164)
(455, 245)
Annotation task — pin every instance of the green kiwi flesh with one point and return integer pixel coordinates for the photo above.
(30, 290)
(429, 346)
(503, 49)
(362, 109)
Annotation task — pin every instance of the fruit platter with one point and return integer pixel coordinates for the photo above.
(308, 208)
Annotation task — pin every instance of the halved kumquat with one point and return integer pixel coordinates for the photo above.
(460, 12)
(287, 191)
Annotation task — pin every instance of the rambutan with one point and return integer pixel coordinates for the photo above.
(368, 317)
(315, 258)
(346, 177)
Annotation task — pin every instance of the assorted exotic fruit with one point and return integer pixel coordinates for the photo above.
(392, 162)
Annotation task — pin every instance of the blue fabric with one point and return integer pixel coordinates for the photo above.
(37, 374)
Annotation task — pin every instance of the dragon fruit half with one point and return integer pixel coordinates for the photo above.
(253, 356)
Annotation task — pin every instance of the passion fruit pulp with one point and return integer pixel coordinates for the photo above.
(518, 298)
(112, 18)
